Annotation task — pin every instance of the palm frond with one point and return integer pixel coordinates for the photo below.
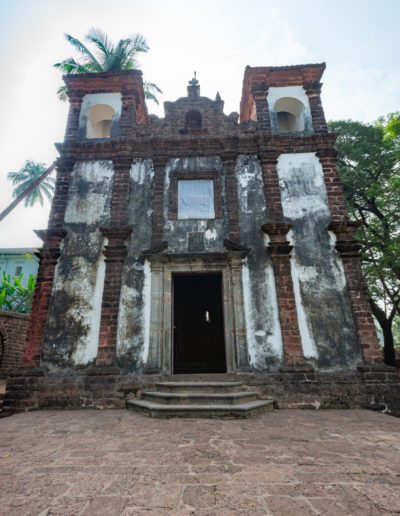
(47, 193)
(86, 54)
(20, 188)
(16, 177)
(62, 93)
(151, 86)
(50, 180)
(151, 96)
(137, 43)
(110, 58)
(101, 40)
(71, 66)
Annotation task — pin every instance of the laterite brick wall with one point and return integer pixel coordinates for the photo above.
(12, 338)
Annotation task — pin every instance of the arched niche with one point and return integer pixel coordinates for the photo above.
(193, 119)
(99, 119)
(290, 114)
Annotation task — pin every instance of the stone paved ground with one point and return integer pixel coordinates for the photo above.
(118, 462)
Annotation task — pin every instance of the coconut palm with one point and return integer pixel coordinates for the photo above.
(106, 57)
(29, 174)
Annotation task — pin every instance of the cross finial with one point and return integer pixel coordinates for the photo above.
(194, 81)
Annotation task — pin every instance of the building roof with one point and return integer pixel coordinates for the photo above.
(17, 250)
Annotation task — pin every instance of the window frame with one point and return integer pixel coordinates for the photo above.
(186, 175)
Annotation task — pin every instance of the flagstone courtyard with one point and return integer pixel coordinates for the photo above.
(118, 462)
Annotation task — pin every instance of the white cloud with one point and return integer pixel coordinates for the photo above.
(364, 94)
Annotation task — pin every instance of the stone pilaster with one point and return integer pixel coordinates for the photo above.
(115, 252)
(159, 163)
(259, 91)
(279, 251)
(313, 91)
(48, 256)
(337, 204)
(229, 162)
(348, 249)
(240, 338)
(154, 365)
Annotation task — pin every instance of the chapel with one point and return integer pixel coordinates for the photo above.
(201, 252)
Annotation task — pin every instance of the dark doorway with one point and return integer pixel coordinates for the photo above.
(199, 345)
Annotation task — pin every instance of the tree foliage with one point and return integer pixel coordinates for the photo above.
(14, 296)
(27, 175)
(106, 57)
(369, 167)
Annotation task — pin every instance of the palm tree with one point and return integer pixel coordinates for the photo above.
(107, 57)
(29, 174)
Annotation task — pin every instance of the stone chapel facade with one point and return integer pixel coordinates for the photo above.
(196, 244)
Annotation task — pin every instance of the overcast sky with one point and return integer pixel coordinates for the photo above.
(358, 39)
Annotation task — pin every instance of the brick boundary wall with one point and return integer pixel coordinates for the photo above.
(13, 329)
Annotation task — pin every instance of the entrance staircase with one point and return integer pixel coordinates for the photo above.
(200, 399)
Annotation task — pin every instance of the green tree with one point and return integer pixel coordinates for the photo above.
(14, 296)
(391, 124)
(368, 164)
(106, 57)
(25, 178)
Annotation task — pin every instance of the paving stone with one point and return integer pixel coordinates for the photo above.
(289, 506)
(106, 505)
(122, 463)
(199, 496)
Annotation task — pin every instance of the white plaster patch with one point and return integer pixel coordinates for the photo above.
(146, 310)
(302, 185)
(303, 274)
(248, 310)
(142, 171)
(274, 338)
(260, 333)
(125, 315)
(211, 234)
(86, 308)
(245, 177)
(86, 289)
(90, 207)
(337, 262)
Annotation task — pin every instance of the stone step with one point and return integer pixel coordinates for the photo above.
(201, 377)
(240, 411)
(197, 386)
(197, 398)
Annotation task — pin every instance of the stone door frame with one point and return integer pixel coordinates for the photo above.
(160, 345)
